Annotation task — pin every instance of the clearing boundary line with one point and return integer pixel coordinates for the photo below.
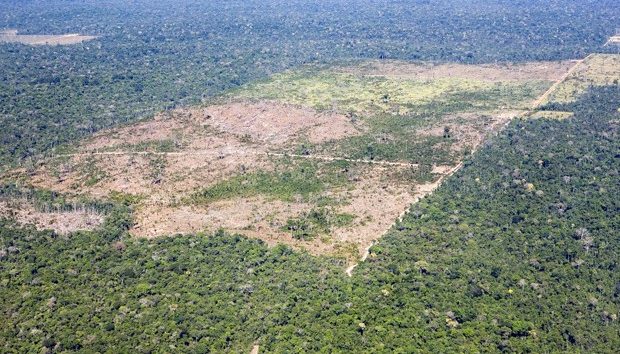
(435, 185)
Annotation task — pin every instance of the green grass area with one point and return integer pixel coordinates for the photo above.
(596, 70)
(286, 182)
(324, 89)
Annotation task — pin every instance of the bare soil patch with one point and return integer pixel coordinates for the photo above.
(206, 145)
(63, 223)
(12, 36)
(250, 122)
(547, 71)
(468, 130)
(265, 218)
(277, 123)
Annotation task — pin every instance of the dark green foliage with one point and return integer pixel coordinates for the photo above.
(287, 182)
(189, 294)
(50, 201)
(316, 222)
(523, 267)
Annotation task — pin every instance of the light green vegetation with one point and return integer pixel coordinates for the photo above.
(595, 70)
(394, 110)
(327, 89)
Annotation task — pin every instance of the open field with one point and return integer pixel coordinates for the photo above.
(401, 88)
(547, 71)
(13, 36)
(595, 70)
(320, 159)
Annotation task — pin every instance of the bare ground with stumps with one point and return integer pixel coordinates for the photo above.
(63, 222)
(549, 71)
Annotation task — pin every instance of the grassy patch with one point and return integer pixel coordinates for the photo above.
(326, 89)
(393, 109)
(596, 70)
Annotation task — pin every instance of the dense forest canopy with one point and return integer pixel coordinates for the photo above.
(153, 55)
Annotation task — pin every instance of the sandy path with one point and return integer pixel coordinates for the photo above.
(545, 95)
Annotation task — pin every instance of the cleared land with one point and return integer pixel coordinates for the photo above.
(63, 222)
(401, 88)
(613, 40)
(12, 36)
(323, 159)
(595, 70)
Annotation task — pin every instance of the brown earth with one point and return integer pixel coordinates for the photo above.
(264, 218)
(260, 122)
(547, 71)
(276, 123)
(209, 144)
(468, 130)
(63, 223)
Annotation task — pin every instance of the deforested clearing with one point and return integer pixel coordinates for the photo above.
(63, 222)
(595, 70)
(486, 72)
(13, 36)
(319, 159)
